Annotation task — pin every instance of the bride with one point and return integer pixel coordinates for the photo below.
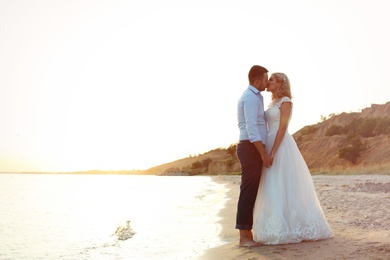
(287, 209)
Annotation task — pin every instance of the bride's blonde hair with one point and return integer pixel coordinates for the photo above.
(284, 90)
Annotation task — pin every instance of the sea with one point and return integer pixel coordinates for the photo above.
(86, 216)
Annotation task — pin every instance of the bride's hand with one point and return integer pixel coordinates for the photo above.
(272, 157)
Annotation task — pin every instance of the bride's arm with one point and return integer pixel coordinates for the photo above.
(285, 112)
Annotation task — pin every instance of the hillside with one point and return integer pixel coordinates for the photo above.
(357, 142)
(216, 161)
(320, 147)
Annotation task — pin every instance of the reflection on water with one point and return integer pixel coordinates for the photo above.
(80, 216)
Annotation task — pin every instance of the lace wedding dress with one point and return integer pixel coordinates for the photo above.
(287, 209)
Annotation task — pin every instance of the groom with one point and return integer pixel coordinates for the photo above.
(251, 150)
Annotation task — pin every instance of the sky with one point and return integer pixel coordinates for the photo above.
(121, 85)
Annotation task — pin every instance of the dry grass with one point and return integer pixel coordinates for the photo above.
(379, 169)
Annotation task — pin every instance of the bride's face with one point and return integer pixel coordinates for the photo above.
(273, 84)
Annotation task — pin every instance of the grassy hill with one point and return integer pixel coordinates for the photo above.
(217, 161)
(347, 143)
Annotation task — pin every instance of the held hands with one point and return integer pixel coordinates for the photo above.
(267, 160)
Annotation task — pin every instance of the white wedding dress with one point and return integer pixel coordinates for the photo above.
(287, 209)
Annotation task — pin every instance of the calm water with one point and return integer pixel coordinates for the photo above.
(76, 216)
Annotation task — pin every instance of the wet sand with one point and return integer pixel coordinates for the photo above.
(357, 208)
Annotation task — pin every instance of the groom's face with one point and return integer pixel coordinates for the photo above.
(262, 82)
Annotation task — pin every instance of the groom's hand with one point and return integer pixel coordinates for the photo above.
(267, 161)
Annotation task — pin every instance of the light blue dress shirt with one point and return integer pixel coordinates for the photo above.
(251, 116)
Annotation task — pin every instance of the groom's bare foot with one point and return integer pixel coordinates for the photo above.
(249, 243)
(246, 239)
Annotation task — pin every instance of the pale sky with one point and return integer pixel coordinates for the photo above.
(115, 85)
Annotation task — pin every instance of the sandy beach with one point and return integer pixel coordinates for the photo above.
(357, 208)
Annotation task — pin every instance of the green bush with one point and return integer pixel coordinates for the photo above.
(367, 127)
(352, 128)
(352, 151)
(362, 127)
(201, 164)
(310, 129)
(334, 130)
(196, 165)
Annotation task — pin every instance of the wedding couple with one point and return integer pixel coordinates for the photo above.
(277, 198)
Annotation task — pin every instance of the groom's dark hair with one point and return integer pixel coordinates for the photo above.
(256, 72)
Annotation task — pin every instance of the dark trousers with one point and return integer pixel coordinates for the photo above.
(251, 165)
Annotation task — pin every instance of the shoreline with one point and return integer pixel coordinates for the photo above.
(356, 207)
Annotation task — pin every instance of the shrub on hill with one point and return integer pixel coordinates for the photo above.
(368, 127)
(351, 152)
(201, 164)
(334, 130)
(310, 129)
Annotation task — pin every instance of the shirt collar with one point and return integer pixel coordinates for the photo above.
(255, 90)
